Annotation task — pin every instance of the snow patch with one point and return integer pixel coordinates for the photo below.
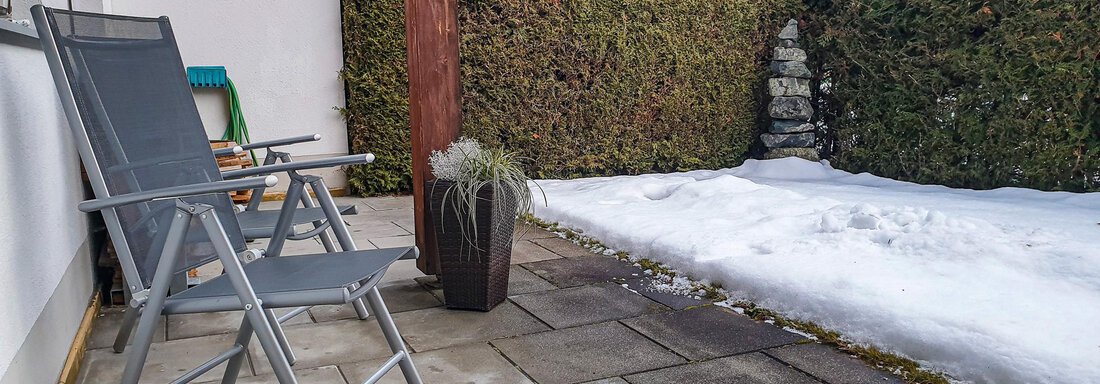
(990, 286)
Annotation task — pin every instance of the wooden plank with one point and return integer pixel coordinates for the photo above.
(71, 370)
(435, 109)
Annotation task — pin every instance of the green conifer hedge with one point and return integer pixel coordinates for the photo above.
(580, 87)
(976, 94)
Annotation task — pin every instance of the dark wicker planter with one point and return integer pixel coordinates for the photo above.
(474, 277)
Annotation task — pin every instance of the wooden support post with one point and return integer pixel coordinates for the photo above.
(435, 109)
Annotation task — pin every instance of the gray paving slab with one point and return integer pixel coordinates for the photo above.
(435, 328)
(382, 203)
(528, 252)
(709, 332)
(106, 327)
(166, 360)
(752, 368)
(328, 343)
(394, 241)
(399, 296)
(472, 363)
(522, 281)
(571, 272)
(585, 353)
(368, 217)
(830, 365)
(202, 324)
(563, 247)
(644, 287)
(610, 380)
(328, 374)
(373, 230)
(402, 270)
(587, 304)
(526, 231)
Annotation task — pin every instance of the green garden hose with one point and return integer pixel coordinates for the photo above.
(237, 130)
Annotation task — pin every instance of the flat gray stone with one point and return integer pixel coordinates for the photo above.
(319, 375)
(790, 126)
(203, 324)
(805, 153)
(328, 343)
(106, 327)
(587, 304)
(791, 69)
(791, 140)
(830, 365)
(710, 332)
(787, 43)
(527, 252)
(522, 281)
(475, 363)
(789, 86)
(563, 247)
(585, 353)
(166, 361)
(788, 54)
(644, 287)
(753, 368)
(435, 328)
(399, 296)
(571, 272)
(790, 31)
(790, 108)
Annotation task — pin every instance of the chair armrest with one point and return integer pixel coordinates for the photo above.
(299, 165)
(223, 152)
(177, 192)
(280, 142)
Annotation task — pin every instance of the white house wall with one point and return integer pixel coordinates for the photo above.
(283, 56)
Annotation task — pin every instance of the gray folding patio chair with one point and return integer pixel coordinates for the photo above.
(257, 223)
(165, 203)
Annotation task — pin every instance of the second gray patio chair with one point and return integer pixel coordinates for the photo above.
(164, 200)
(259, 223)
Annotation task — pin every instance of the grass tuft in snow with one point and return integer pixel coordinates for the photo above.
(909, 370)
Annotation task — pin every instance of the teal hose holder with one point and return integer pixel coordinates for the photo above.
(214, 76)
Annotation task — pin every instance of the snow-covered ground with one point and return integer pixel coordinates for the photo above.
(998, 286)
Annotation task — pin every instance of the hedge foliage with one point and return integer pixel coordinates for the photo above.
(610, 87)
(377, 105)
(976, 94)
(579, 87)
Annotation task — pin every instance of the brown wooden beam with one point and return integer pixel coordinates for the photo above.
(435, 109)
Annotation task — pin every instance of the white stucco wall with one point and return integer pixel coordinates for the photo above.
(283, 56)
(41, 231)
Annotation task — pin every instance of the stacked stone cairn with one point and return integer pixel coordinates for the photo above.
(791, 133)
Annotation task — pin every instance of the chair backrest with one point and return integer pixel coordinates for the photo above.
(125, 91)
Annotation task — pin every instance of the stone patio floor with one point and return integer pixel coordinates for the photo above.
(568, 319)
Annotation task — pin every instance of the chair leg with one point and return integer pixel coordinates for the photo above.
(326, 239)
(328, 205)
(233, 367)
(277, 327)
(158, 291)
(253, 308)
(129, 318)
(393, 336)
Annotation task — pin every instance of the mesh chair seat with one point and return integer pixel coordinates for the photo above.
(291, 281)
(260, 224)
